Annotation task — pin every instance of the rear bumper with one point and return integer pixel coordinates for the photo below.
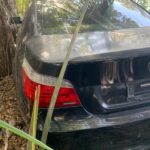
(134, 136)
(75, 119)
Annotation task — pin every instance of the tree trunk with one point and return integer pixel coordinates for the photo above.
(7, 48)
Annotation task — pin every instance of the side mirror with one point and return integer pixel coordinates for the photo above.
(15, 20)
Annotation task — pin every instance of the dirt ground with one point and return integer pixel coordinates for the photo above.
(9, 111)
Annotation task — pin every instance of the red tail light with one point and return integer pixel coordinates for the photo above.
(67, 95)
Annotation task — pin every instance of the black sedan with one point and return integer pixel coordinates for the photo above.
(107, 81)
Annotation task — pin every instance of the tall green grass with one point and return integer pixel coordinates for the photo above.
(33, 125)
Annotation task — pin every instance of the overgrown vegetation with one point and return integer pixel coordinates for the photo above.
(6, 40)
(144, 3)
(22, 6)
(6, 54)
(7, 50)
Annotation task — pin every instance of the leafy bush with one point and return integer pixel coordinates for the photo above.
(22, 6)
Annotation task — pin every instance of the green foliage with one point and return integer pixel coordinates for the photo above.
(144, 3)
(22, 6)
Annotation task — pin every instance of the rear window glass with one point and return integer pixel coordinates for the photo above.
(61, 16)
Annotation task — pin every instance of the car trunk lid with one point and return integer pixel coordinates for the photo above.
(103, 67)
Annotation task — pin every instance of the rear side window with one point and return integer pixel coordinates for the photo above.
(29, 22)
(61, 16)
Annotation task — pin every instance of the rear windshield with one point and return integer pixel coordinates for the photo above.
(61, 16)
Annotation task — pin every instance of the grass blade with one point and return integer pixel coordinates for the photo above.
(61, 76)
(33, 126)
(23, 135)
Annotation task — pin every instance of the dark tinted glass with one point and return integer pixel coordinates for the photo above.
(61, 16)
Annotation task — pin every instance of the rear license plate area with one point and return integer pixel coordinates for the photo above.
(138, 90)
(142, 87)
